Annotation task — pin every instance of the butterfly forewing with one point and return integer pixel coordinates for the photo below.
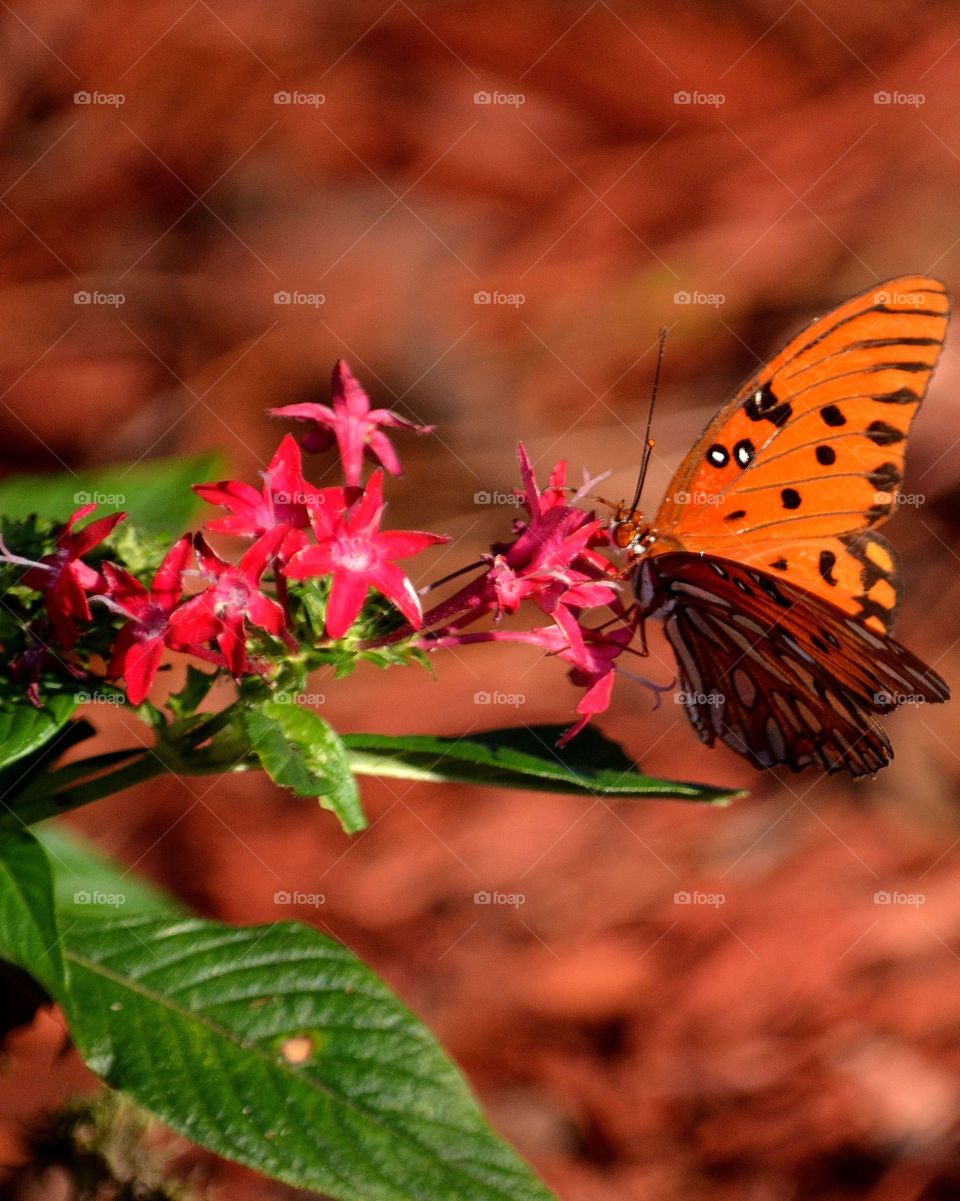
(808, 456)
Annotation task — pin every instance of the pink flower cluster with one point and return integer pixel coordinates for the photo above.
(298, 531)
(553, 562)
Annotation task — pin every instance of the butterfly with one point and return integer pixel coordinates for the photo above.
(776, 592)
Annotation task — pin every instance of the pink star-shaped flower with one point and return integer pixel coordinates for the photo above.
(65, 580)
(352, 425)
(282, 499)
(359, 556)
(221, 612)
(139, 646)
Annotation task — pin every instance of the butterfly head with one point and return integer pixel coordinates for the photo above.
(629, 530)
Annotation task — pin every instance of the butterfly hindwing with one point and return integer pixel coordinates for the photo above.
(776, 673)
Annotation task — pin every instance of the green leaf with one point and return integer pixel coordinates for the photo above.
(28, 924)
(277, 1047)
(24, 728)
(523, 757)
(88, 884)
(300, 751)
(195, 688)
(155, 493)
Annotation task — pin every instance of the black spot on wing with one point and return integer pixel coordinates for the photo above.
(790, 498)
(769, 586)
(735, 515)
(886, 477)
(744, 452)
(879, 511)
(909, 365)
(902, 396)
(764, 405)
(868, 343)
(882, 434)
(826, 456)
(828, 560)
(832, 416)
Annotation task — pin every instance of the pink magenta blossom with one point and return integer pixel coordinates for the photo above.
(65, 580)
(221, 613)
(553, 561)
(282, 498)
(139, 645)
(358, 555)
(356, 429)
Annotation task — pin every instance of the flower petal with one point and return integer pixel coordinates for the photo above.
(140, 665)
(265, 613)
(390, 580)
(308, 411)
(231, 639)
(380, 449)
(348, 393)
(254, 562)
(125, 589)
(168, 582)
(347, 594)
(312, 561)
(365, 517)
(93, 534)
(398, 544)
(531, 494)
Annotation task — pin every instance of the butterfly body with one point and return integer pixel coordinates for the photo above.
(776, 592)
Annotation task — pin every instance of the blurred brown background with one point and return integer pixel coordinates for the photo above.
(585, 164)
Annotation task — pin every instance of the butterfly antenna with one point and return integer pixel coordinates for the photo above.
(648, 442)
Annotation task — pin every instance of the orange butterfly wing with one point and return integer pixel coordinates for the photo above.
(807, 457)
(775, 673)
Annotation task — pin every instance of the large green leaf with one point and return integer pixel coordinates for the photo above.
(24, 728)
(302, 752)
(277, 1047)
(87, 883)
(522, 757)
(155, 493)
(28, 924)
